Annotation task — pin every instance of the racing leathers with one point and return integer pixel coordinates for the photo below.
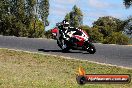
(65, 34)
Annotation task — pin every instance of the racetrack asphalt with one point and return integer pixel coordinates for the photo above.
(119, 55)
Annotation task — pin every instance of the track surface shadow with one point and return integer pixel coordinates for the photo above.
(51, 50)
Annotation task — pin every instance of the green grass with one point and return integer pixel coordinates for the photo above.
(28, 70)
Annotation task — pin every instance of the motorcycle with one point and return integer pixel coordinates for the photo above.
(75, 42)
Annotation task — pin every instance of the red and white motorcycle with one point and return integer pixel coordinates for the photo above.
(76, 42)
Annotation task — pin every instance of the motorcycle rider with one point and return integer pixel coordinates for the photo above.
(65, 28)
(72, 38)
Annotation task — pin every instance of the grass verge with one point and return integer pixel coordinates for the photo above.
(29, 70)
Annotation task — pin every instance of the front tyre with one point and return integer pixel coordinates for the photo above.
(91, 48)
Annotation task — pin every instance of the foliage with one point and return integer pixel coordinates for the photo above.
(11, 26)
(86, 28)
(107, 30)
(128, 27)
(111, 28)
(93, 33)
(96, 36)
(36, 29)
(117, 38)
(108, 24)
(48, 34)
(44, 11)
(127, 3)
(75, 17)
(130, 42)
(18, 18)
(30, 8)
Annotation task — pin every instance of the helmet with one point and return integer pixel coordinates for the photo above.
(65, 24)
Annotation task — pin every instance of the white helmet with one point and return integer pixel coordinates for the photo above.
(65, 24)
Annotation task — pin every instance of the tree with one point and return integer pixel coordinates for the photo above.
(17, 8)
(48, 34)
(4, 5)
(30, 4)
(67, 17)
(86, 28)
(38, 31)
(117, 38)
(127, 3)
(75, 17)
(108, 24)
(95, 35)
(44, 11)
(5, 18)
(111, 29)
(17, 18)
(128, 27)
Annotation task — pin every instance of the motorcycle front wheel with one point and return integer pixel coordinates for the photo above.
(91, 48)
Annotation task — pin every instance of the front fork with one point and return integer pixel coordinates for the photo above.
(87, 44)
